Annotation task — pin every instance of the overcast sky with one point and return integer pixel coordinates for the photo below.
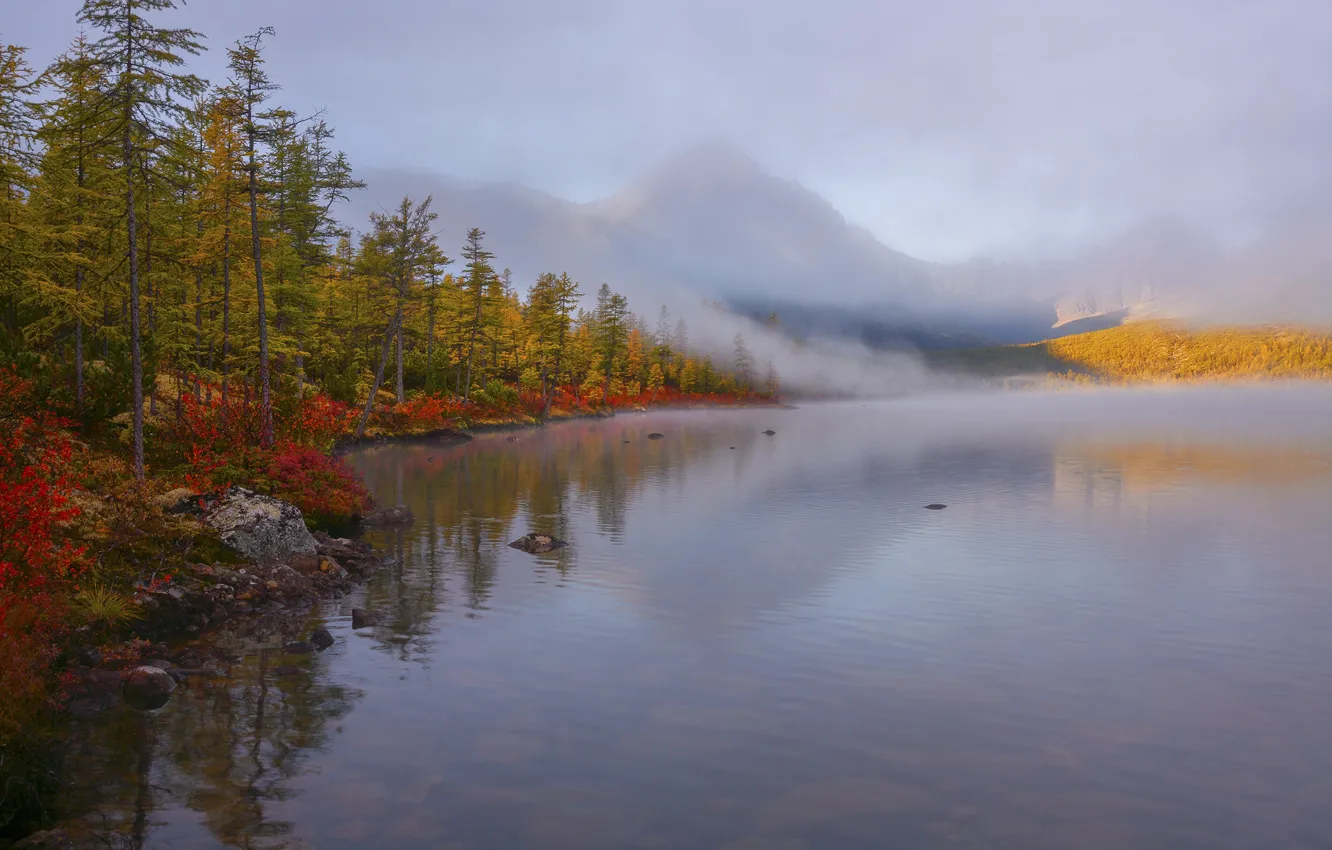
(948, 127)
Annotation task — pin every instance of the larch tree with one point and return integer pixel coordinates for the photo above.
(744, 362)
(401, 249)
(612, 323)
(144, 92)
(17, 161)
(75, 175)
(252, 86)
(475, 283)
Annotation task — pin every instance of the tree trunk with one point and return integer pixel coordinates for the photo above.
(198, 318)
(265, 399)
(398, 385)
(78, 343)
(379, 375)
(136, 345)
(226, 302)
(430, 346)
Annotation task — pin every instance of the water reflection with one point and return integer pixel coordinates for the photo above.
(1115, 635)
(210, 768)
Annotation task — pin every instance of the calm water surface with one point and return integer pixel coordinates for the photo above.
(1118, 634)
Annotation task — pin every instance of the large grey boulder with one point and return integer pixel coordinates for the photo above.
(262, 529)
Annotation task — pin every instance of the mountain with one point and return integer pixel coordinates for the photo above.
(711, 223)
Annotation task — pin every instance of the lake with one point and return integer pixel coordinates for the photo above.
(1117, 634)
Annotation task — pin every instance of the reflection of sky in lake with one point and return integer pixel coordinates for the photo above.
(1115, 635)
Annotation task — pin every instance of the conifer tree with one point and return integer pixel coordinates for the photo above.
(252, 87)
(144, 93)
(612, 331)
(474, 285)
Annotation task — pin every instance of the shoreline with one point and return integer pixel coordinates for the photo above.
(236, 595)
(452, 436)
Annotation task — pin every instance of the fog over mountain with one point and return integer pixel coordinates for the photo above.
(711, 223)
(1033, 160)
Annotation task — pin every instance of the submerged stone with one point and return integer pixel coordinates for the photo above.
(362, 618)
(396, 515)
(935, 507)
(655, 436)
(537, 544)
(147, 688)
(770, 433)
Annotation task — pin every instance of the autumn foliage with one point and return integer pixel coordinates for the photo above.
(220, 445)
(37, 566)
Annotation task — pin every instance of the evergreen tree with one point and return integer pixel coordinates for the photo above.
(475, 285)
(144, 93)
(252, 87)
(612, 332)
(743, 362)
(401, 250)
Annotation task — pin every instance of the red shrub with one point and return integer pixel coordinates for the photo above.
(37, 568)
(220, 446)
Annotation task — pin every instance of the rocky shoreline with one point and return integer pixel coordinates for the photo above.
(285, 570)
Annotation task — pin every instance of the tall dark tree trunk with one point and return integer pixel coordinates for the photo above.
(148, 273)
(198, 319)
(265, 398)
(398, 387)
(136, 344)
(226, 303)
(430, 346)
(379, 375)
(78, 344)
(471, 349)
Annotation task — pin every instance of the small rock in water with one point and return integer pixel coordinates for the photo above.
(536, 544)
(321, 638)
(732, 448)
(396, 515)
(147, 688)
(935, 507)
(299, 647)
(770, 433)
(510, 439)
(287, 670)
(362, 618)
(655, 436)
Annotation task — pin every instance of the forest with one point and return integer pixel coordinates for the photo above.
(1156, 351)
(182, 306)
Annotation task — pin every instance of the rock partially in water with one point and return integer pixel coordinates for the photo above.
(655, 436)
(322, 638)
(537, 544)
(396, 515)
(147, 688)
(262, 529)
(770, 433)
(935, 507)
(362, 618)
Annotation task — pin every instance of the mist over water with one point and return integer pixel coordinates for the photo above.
(1114, 635)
